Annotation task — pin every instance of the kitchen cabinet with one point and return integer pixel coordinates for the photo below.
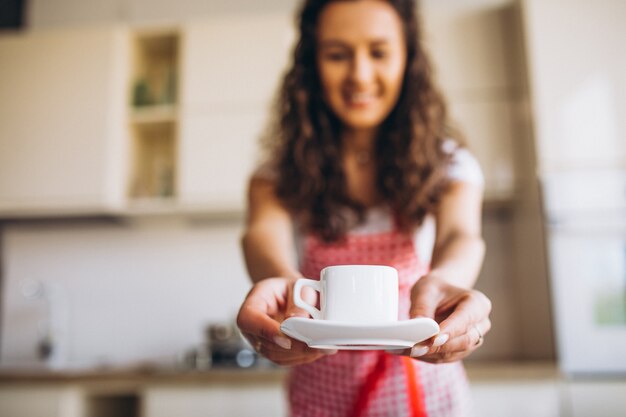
(153, 122)
(601, 398)
(61, 122)
(40, 401)
(136, 120)
(218, 149)
(226, 75)
(243, 399)
(578, 84)
(143, 393)
(153, 400)
(57, 13)
(497, 388)
(230, 69)
(230, 61)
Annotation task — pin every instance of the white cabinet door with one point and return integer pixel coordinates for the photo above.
(44, 401)
(230, 69)
(229, 61)
(59, 13)
(217, 153)
(578, 85)
(241, 400)
(61, 121)
(498, 398)
(600, 398)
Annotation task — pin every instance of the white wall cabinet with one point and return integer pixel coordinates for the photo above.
(240, 400)
(234, 60)
(578, 84)
(226, 393)
(40, 401)
(75, 138)
(217, 152)
(230, 69)
(518, 391)
(61, 121)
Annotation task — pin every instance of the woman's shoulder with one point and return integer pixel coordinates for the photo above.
(464, 166)
(265, 170)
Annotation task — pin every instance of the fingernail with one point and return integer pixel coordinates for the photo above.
(329, 351)
(441, 339)
(418, 351)
(283, 342)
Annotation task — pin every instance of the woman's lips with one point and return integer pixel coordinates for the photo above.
(359, 99)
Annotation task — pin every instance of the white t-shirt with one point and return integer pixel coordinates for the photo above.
(464, 168)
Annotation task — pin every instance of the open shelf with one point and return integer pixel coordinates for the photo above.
(154, 160)
(153, 116)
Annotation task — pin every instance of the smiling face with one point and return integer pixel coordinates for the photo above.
(361, 58)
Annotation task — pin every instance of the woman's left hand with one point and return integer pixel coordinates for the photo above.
(462, 314)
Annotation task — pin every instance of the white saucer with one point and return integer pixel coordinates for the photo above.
(323, 334)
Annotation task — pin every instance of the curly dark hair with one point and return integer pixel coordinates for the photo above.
(305, 143)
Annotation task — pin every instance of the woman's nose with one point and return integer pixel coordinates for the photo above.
(362, 70)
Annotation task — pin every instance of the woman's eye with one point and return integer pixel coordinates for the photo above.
(336, 56)
(378, 54)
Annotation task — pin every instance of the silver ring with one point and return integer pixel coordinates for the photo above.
(480, 336)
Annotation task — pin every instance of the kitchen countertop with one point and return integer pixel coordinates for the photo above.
(142, 375)
(477, 371)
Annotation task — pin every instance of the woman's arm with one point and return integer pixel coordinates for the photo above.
(459, 248)
(268, 250)
(267, 242)
(445, 293)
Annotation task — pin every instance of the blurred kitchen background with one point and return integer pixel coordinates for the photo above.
(128, 129)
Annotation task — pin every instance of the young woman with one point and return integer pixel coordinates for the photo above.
(363, 169)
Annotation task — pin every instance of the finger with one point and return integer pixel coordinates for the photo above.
(293, 361)
(399, 352)
(273, 349)
(423, 355)
(254, 322)
(268, 296)
(299, 354)
(473, 307)
(309, 296)
(466, 342)
(481, 330)
(444, 358)
(290, 357)
(424, 301)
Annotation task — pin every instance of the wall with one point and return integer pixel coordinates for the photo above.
(122, 292)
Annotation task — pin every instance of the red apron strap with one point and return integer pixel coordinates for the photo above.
(414, 389)
(368, 387)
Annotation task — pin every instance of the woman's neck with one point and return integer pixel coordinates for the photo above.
(359, 144)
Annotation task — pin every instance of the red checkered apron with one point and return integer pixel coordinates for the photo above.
(375, 383)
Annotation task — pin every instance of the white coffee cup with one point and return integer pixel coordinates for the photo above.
(353, 293)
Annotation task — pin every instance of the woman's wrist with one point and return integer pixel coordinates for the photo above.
(437, 278)
(450, 276)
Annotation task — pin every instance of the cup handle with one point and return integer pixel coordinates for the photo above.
(297, 296)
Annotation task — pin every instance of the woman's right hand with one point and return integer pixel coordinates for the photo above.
(268, 303)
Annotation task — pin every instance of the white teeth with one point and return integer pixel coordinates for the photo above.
(361, 97)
